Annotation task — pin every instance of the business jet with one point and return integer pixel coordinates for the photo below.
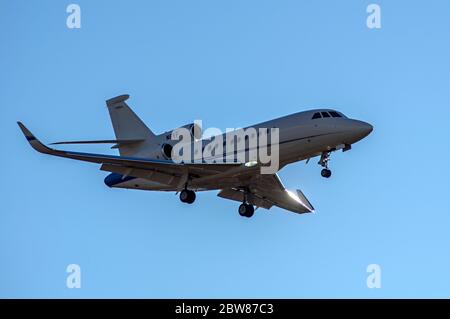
(146, 162)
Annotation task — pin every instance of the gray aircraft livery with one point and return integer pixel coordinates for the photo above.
(242, 163)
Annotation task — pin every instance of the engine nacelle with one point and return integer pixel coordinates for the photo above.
(166, 142)
(194, 129)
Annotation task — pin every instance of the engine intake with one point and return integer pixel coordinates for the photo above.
(166, 150)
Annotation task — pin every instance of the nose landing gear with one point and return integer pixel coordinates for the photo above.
(324, 158)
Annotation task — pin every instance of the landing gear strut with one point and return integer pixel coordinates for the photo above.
(324, 163)
(187, 196)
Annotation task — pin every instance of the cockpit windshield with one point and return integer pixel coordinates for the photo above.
(319, 115)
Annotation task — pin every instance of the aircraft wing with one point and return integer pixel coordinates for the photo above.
(265, 191)
(123, 162)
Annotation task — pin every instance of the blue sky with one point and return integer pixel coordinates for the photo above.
(230, 64)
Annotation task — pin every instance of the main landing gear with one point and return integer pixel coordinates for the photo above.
(246, 210)
(187, 196)
(326, 172)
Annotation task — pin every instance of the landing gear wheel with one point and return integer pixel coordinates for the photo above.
(246, 210)
(250, 210)
(187, 196)
(325, 173)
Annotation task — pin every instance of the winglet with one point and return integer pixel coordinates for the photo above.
(29, 136)
(34, 142)
(305, 201)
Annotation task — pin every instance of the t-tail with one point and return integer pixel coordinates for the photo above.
(129, 129)
(133, 137)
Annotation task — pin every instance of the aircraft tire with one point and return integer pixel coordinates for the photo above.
(246, 210)
(187, 196)
(326, 173)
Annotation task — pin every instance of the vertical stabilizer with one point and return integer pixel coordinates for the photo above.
(127, 126)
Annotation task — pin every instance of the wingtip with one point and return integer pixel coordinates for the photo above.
(34, 142)
(22, 127)
(306, 203)
(29, 136)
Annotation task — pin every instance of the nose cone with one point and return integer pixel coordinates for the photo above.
(360, 129)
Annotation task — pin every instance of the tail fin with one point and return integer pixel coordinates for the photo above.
(127, 125)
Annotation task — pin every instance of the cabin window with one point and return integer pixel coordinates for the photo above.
(316, 116)
(325, 114)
